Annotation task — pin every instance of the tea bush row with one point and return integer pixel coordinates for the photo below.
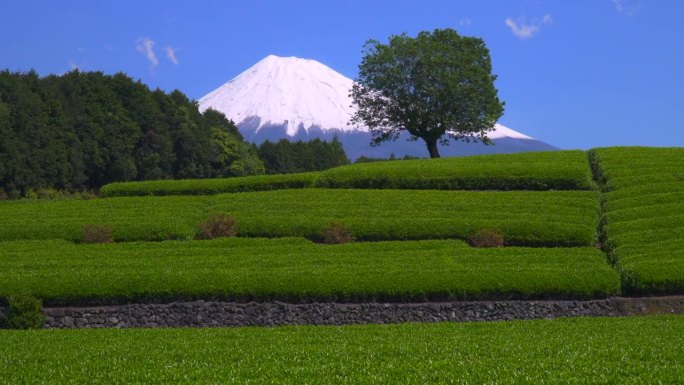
(295, 269)
(557, 170)
(210, 186)
(644, 216)
(553, 218)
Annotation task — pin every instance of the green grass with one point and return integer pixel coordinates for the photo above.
(295, 269)
(209, 186)
(638, 350)
(563, 218)
(644, 216)
(556, 170)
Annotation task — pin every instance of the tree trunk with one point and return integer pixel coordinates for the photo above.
(432, 148)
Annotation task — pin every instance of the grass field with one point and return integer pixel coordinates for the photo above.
(644, 216)
(639, 350)
(294, 269)
(558, 218)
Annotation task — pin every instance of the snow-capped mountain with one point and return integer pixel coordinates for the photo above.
(285, 91)
(293, 98)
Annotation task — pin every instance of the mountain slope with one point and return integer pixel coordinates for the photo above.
(301, 99)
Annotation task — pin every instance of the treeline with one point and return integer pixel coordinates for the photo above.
(285, 157)
(81, 130)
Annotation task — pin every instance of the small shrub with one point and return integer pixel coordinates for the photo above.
(84, 195)
(335, 233)
(24, 312)
(218, 225)
(50, 193)
(97, 234)
(3, 195)
(14, 194)
(486, 238)
(31, 194)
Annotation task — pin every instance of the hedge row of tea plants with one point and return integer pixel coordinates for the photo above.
(644, 216)
(557, 170)
(554, 218)
(210, 186)
(635, 350)
(295, 269)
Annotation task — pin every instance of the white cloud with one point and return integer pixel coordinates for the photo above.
(524, 30)
(627, 7)
(171, 54)
(74, 66)
(465, 22)
(521, 30)
(618, 5)
(145, 46)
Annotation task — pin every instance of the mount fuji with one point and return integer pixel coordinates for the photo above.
(302, 99)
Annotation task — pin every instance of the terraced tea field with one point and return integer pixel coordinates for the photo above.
(210, 186)
(557, 170)
(641, 228)
(644, 216)
(295, 269)
(575, 225)
(556, 218)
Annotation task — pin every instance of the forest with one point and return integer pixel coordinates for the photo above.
(81, 130)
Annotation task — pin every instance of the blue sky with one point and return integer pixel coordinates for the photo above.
(574, 73)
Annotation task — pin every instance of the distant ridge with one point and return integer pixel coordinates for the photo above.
(302, 99)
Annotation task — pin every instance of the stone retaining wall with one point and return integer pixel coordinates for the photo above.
(212, 314)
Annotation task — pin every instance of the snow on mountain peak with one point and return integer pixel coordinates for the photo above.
(295, 93)
(501, 131)
(286, 91)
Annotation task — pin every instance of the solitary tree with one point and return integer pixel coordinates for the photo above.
(434, 84)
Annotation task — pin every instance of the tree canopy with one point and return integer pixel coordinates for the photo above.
(82, 130)
(436, 86)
